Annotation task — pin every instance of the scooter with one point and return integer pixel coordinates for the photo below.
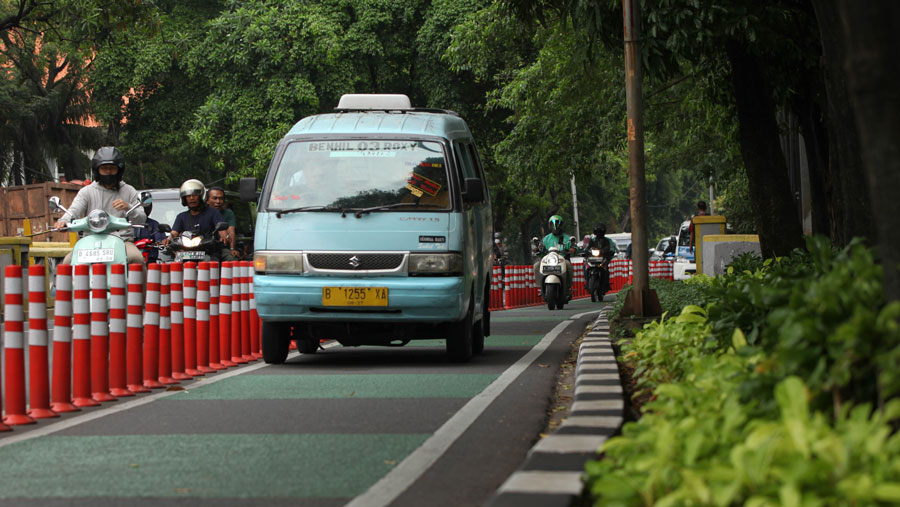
(99, 245)
(596, 265)
(553, 268)
(194, 246)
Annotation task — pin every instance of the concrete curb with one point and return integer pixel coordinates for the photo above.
(551, 474)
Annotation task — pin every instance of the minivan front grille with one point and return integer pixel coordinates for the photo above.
(349, 261)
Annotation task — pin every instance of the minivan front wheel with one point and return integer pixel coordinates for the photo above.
(461, 337)
(276, 342)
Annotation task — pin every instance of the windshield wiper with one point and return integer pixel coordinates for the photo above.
(360, 212)
(308, 208)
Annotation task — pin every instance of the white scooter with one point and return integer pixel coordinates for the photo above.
(553, 268)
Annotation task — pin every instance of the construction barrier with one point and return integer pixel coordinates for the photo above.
(515, 286)
(107, 344)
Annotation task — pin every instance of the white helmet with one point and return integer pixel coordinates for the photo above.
(192, 187)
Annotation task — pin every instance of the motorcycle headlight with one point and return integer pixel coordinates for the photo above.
(98, 220)
(191, 242)
(595, 252)
(552, 260)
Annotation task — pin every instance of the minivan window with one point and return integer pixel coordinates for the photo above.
(361, 174)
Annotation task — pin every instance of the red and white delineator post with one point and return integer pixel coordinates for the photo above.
(117, 331)
(135, 330)
(61, 383)
(230, 355)
(215, 353)
(151, 328)
(202, 334)
(81, 337)
(99, 336)
(255, 331)
(14, 341)
(165, 329)
(190, 319)
(176, 281)
(226, 319)
(246, 339)
(38, 353)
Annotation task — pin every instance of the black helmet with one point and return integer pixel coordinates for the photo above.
(108, 155)
(192, 187)
(600, 230)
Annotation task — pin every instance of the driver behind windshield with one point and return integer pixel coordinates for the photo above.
(199, 218)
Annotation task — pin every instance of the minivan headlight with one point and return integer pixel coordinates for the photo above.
(278, 262)
(435, 264)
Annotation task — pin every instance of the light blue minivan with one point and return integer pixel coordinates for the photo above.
(373, 228)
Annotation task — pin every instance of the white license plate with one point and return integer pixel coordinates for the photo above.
(95, 255)
(190, 255)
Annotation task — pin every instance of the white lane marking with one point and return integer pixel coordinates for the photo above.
(121, 406)
(398, 480)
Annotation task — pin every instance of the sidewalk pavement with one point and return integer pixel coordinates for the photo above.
(551, 474)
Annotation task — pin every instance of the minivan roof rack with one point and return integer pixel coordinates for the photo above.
(361, 102)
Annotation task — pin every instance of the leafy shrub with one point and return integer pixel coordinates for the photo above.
(673, 295)
(699, 446)
(819, 315)
(780, 416)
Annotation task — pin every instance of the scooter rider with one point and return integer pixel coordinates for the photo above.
(109, 193)
(198, 214)
(150, 230)
(566, 247)
(599, 241)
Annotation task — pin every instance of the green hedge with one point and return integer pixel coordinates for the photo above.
(763, 394)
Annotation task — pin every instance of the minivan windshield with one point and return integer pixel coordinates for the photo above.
(380, 174)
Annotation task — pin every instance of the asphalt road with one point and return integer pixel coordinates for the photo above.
(363, 426)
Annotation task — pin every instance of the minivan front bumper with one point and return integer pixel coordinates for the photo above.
(420, 299)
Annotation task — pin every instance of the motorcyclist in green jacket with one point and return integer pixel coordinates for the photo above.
(566, 246)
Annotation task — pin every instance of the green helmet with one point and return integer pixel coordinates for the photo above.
(555, 224)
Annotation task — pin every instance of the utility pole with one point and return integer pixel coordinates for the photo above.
(575, 210)
(643, 302)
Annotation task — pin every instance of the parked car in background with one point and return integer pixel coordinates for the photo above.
(685, 264)
(621, 240)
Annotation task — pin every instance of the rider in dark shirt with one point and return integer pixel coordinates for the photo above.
(199, 218)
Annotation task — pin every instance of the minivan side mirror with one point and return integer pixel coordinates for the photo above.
(474, 191)
(247, 188)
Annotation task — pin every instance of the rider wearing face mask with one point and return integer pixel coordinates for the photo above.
(109, 193)
(566, 247)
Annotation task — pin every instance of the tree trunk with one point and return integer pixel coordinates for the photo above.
(849, 196)
(871, 39)
(777, 219)
(815, 139)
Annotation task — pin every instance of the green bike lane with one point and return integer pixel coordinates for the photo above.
(320, 429)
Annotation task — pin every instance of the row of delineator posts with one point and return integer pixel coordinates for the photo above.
(515, 286)
(106, 346)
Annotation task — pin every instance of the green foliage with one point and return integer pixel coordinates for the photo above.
(673, 295)
(780, 416)
(698, 445)
(662, 353)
